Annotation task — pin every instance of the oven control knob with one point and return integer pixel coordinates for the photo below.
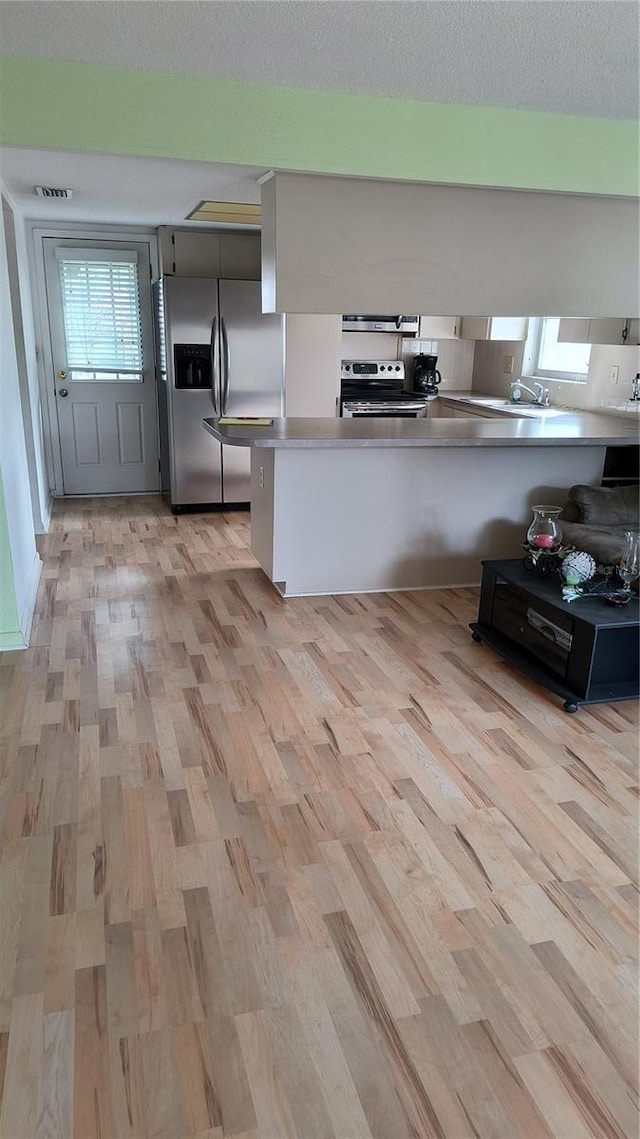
(397, 367)
(347, 367)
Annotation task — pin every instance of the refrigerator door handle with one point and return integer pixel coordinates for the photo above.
(215, 373)
(226, 357)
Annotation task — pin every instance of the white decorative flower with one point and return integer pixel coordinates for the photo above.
(578, 566)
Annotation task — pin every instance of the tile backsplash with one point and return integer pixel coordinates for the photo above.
(455, 360)
(455, 357)
(598, 393)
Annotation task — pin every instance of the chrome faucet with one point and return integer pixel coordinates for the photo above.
(539, 394)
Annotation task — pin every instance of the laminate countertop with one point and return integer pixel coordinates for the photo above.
(576, 428)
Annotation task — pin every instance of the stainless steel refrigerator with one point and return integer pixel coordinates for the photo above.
(218, 354)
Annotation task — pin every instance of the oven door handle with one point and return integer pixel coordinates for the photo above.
(384, 405)
(352, 409)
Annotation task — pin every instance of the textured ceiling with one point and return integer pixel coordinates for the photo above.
(566, 56)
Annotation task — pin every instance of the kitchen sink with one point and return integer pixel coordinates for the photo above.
(489, 401)
(526, 410)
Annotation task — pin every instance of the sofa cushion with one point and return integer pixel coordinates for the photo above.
(605, 544)
(570, 512)
(615, 506)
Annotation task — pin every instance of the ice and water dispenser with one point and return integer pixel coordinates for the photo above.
(192, 366)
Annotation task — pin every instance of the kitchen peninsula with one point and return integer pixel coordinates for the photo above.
(357, 505)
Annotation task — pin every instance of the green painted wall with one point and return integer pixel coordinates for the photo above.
(68, 106)
(9, 619)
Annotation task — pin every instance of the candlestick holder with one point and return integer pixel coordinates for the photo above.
(545, 532)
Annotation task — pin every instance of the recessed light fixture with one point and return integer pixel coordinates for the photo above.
(52, 192)
(236, 213)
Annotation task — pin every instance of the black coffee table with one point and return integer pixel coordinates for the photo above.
(586, 651)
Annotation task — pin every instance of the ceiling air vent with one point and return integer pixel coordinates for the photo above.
(52, 192)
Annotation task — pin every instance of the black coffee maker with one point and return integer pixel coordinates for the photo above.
(426, 376)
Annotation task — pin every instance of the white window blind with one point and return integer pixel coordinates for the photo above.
(161, 336)
(101, 315)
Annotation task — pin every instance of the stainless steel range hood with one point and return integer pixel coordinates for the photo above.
(397, 324)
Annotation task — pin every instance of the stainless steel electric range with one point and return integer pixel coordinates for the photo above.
(376, 388)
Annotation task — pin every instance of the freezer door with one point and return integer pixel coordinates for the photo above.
(191, 318)
(252, 370)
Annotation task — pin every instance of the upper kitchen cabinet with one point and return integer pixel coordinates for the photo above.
(439, 328)
(352, 245)
(574, 329)
(494, 328)
(190, 252)
(599, 330)
(240, 256)
(210, 253)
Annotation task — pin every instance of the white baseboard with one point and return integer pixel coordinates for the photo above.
(281, 587)
(20, 639)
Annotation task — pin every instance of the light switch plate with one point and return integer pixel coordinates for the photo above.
(614, 373)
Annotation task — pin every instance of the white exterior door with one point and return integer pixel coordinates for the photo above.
(99, 307)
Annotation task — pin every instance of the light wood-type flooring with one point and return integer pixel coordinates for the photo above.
(308, 869)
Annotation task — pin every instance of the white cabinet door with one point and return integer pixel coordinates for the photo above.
(196, 253)
(607, 330)
(240, 256)
(598, 330)
(573, 330)
(209, 253)
(439, 328)
(312, 364)
(494, 328)
(475, 411)
(475, 328)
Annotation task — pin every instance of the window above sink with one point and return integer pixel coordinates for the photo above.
(549, 356)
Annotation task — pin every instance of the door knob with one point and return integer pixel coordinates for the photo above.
(63, 392)
(62, 375)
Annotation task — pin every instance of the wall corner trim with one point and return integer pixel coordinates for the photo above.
(19, 639)
(42, 527)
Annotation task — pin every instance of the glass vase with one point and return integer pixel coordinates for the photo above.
(629, 567)
(545, 532)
